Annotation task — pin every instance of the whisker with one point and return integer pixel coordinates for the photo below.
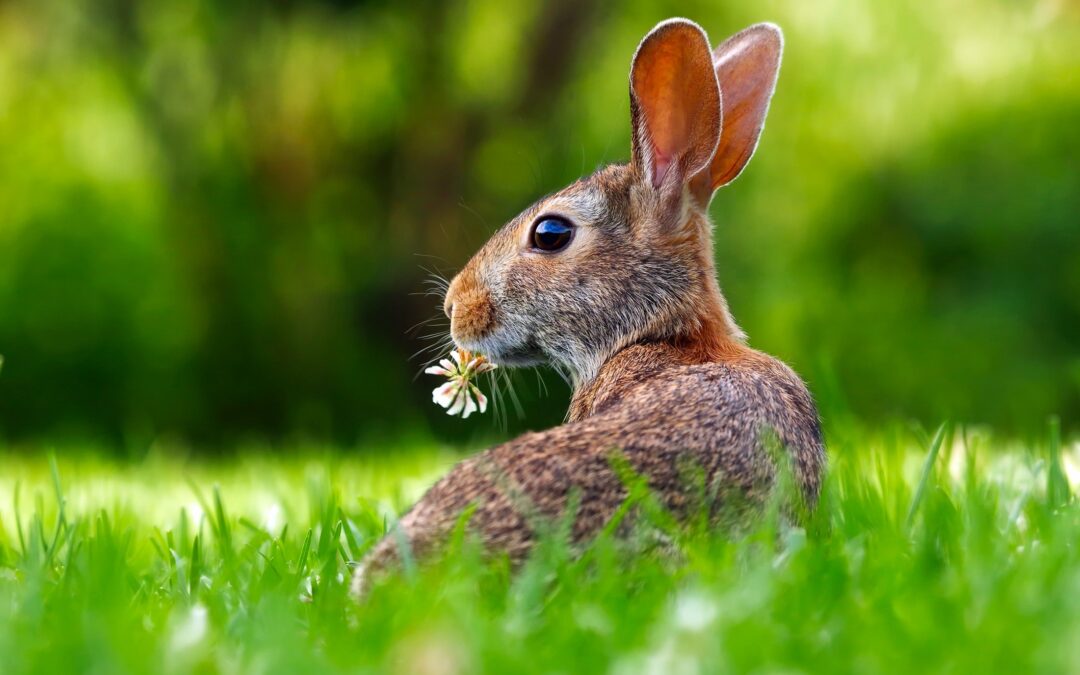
(440, 344)
(425, 322)
(541, 385)
(474, 212)
(432, 336)
(429, 255)
(563, 374)
(433, 276)
(436, 286)
(439, 350)
(498, 410)
(509, 382)
(436, 292)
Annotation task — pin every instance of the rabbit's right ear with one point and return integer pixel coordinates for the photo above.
(674, 108)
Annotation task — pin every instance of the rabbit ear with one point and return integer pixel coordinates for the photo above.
(747, 65)
(674, 105)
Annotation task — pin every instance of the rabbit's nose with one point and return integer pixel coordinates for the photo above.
(452, 291)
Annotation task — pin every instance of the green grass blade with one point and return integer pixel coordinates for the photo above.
(1057, 485)
(301, 561)
(18, 519)
(924, 478)
(61, 522)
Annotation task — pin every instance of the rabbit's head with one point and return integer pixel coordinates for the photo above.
(625, 255)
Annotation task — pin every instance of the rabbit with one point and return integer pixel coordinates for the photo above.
(612, 280)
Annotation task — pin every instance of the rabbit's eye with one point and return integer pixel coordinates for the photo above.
(551, 234)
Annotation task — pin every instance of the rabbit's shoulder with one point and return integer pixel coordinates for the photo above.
(655, 381)
(720, 407)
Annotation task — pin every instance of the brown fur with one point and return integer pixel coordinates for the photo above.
(632, 312)
(476, 314)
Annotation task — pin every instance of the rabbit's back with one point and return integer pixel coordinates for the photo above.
(711, 418)
(665, 417)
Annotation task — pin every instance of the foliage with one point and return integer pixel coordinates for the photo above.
(236, 199)
(962, 559)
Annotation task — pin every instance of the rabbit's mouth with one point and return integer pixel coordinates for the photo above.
(506, 352)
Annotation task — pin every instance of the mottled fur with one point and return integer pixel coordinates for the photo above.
(632, 311)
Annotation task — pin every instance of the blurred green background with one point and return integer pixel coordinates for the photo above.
(216, 218)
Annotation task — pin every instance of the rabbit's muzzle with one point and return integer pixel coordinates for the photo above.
(469, 306)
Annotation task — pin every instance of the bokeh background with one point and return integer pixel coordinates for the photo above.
(216, 218)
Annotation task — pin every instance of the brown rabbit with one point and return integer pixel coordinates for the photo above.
(611, 279)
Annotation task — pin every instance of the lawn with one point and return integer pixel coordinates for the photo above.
(955, 551)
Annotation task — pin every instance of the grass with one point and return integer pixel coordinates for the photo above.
(956, 553)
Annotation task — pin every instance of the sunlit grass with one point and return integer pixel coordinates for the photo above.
(938, 552)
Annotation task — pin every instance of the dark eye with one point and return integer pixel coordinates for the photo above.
(551, 234)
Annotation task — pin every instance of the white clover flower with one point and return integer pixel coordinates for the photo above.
(458, 393)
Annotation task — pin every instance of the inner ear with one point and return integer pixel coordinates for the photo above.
(747, 65)
(675, 104)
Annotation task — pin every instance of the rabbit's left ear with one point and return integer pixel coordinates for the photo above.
(674, 107)
(747, 65)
